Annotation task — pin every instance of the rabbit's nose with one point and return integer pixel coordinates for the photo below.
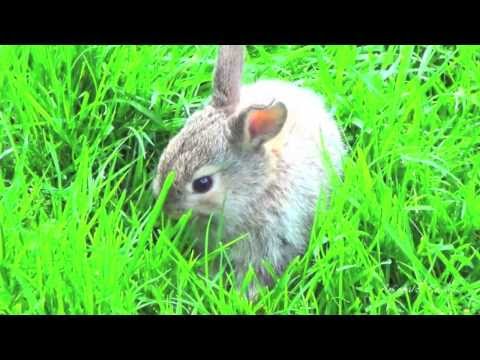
(171, 210)
(168, 208)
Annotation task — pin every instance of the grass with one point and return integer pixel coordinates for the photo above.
(81, 130)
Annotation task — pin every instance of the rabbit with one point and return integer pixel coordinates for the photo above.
(256, 155)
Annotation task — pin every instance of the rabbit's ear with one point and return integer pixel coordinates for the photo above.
(227, 78)
(256, 125)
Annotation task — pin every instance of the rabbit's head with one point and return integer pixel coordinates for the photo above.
(218, 157)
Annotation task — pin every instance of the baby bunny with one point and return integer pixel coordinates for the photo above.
(259, 156)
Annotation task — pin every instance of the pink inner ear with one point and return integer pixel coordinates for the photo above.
(261, 122)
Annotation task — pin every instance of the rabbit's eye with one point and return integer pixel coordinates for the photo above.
(203, 184)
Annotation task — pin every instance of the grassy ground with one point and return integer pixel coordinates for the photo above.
(82, 127)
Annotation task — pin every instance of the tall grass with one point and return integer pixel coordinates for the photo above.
(81, 130)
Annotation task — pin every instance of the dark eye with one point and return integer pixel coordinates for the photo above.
(203, 184)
